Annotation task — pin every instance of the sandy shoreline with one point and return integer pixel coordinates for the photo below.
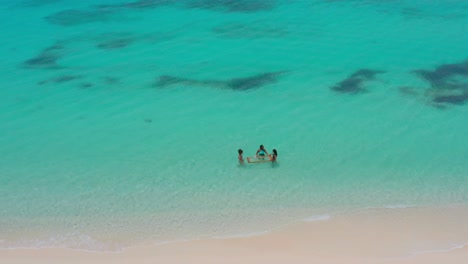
(410, 235)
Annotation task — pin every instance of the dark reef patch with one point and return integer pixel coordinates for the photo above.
(74, 17)
(238, 30)
(167, 80)
(141, 4)
(366, 74)
(354, 83)
(458, 96)
(60, 79)
(114, 43)
(254, 81)
(47, 58)
(448, 85)
(120, 40)
(411, 12)
(85, 85)
(101, 13)
(408, 90)
(110, 80)
(444, 73)
(236, 84)
(410, 9)
(109, 12)
(242, 6)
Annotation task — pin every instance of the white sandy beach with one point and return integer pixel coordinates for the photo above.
(407, 235)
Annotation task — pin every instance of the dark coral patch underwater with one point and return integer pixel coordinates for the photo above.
(354, 83)
(239, 30)
(241, 6)
(60, 79)
(140, 4)
(443, 74)
(110, 12)
(85, 85)
(73, 17)
(47, 58)
(119, 40)
(114, 43)
(236, 84)
(255, 81)
(448, 83)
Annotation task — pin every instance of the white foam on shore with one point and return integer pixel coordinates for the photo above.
(231, 236)
(393, 206)
(452, 247)
(83, 242)
(73, 241)
(243, 235)
(316, 218)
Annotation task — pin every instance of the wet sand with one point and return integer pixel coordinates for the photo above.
(405, 235)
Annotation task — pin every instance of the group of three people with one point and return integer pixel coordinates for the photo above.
(261, 152)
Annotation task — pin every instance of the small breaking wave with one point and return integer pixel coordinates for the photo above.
(450, 248)
(243, 235)
(72, 241)
(316, 218)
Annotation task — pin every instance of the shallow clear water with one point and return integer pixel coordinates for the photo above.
(97, 154)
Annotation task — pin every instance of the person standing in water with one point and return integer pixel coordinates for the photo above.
(261, 152)
(240, 158)
(273, 158)
(274, 155)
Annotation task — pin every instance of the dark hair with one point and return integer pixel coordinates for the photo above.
(261, 146)
(275, 152)
(240, 151)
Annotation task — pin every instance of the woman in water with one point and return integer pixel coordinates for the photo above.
(261, 152)
(273, 158)
(240, 158)
(274, 155)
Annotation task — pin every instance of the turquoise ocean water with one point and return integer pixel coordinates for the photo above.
(120, 121)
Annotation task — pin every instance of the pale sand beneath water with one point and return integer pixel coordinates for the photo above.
(387, 236)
